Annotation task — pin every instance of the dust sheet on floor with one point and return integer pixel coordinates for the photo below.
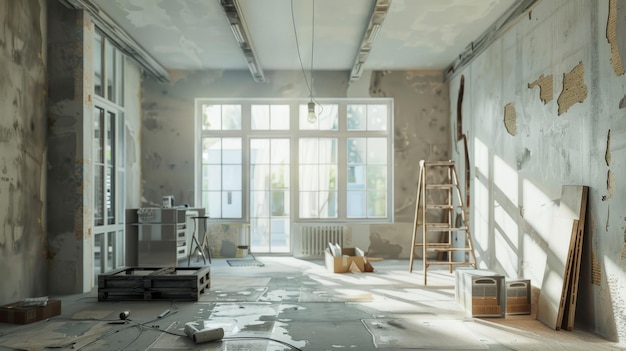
(437, 334)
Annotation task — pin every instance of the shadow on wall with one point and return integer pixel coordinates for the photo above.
(380, 247)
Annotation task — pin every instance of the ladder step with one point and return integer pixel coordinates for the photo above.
(456, 249)
(439, 207)
(446, 263)
(439, 163)
(439, 186)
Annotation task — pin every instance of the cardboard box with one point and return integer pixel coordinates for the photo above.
(342, 264)
(13, 313)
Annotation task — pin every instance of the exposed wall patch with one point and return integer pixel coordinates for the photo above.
(607, 153)
(510, 119)
(596, 269)
(574, 88)
(624, 247)
(611, 36)
(545, 85)
(610, 186)
(622, 102)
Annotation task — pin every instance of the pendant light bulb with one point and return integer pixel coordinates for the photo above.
(311, 117)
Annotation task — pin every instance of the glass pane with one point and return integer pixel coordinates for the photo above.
(356, 177)
(98, 135)
(119, 249)
(356, 150)
(260, 234)
(308, 204)
(280, 203)
(356, 204)
(376, 204)
(231, 204)
(110, 139)
(309, 178)
(328, 116)
(260, 117)
(376, 117)
(377, 178)
(121, 141)
(212, 177)
(119, 81)
(231, 150)
(280, 151)
(279, 117)
(328, 204)
(377, 151)
(327, 177)
(98, 245)
(110, 195)
(308, 151)
(97, 65)
(212, 150)
(280, 235)
(111, 254)
(280, 177)
(110, 71)
(231, 117)
(211, 117)
(259, 177)
(212, 202)
(327, 150)
(259, 151)
(231, 177)
(98, 195)
(259, 203)
(356, 117)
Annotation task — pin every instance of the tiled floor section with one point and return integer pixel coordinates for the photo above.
(292, 304)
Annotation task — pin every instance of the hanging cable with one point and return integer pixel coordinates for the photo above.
(311, 117)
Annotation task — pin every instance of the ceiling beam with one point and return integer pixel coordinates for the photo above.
(232, 8)
(121, 39)
(379, 13)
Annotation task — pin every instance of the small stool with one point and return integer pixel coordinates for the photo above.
(200, 248)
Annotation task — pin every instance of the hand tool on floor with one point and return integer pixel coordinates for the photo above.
(204, 335)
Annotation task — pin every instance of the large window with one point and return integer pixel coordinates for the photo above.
(265, 162)
(108, 156)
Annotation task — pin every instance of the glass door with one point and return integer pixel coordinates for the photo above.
(270, 209)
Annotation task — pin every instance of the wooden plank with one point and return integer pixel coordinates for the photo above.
(577, 259)
(570, 207)
(567, 277)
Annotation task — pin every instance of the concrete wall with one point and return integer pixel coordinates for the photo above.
(22, 149)
(543, 107)
(421, 131)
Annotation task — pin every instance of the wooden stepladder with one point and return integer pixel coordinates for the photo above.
(436, 200)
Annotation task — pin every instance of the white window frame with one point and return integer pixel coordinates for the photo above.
(246, 133)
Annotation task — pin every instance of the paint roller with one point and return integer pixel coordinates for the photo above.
(204, 335)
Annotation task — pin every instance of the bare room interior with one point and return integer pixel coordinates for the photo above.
(264, 175)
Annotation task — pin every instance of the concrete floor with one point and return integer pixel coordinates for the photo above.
(292, 304)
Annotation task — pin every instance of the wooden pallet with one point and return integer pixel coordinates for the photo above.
(154, 283)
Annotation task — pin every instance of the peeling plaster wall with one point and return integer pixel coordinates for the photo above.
(516, 179)
(421, 108)
(22, 149)
(70, 120)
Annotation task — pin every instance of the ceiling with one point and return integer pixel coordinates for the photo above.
(196, 34)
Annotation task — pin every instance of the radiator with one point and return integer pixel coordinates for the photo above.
(314, 238)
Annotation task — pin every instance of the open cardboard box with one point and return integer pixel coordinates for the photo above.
(349, 255)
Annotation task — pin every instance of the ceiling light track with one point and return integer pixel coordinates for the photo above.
(379, 13)
(121, 39)
(235, 17)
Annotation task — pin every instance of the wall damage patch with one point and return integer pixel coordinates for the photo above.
(607, 153)
(624, 247)
(611, 36)
(545, 85)
(610, 186)
(510, 119)
(596, 269)
(574, 88)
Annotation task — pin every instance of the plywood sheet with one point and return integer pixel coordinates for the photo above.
(559, 246)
